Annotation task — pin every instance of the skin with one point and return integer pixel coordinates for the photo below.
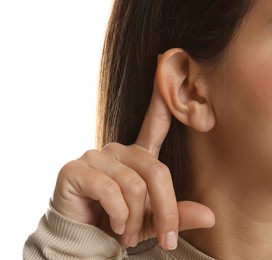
(232, 162)
(227, 109)
(118, 189)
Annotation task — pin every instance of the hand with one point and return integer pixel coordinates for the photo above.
(126, 191)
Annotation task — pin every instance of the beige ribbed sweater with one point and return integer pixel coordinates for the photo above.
(60, 238)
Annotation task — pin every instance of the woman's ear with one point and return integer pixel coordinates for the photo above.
(185, 90)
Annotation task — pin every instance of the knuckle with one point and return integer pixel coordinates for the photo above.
(158, 169)
(136, 187)
(134, 228)
(89, 153)
(112, 147)
(68, 169)
(67, 174)
(168, 217)
(121, 216)
(110, 188)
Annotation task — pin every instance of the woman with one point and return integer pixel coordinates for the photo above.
(214, 77)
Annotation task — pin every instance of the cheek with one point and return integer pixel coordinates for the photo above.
(243, 98)
(247, 71)
(250, 86)
(245, 85)
(243, 107)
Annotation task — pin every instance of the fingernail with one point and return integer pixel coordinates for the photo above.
(133, 240)
(171, 240)
(120, 230)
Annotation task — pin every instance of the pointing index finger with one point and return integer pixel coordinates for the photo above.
(156, 124)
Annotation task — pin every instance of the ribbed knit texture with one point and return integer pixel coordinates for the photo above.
(60, 238)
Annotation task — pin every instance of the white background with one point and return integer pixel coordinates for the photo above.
(49, 63)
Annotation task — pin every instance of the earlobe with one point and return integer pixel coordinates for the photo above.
(185, 92)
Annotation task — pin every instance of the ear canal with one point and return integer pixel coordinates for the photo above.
(184, 91)
(193, 95)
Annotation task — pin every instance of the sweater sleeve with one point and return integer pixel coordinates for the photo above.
(60, 238)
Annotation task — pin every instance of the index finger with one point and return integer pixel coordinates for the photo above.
(156, 123)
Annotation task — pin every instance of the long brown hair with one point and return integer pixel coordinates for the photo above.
(138, 31)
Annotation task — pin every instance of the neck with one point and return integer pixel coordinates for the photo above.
(239, 192)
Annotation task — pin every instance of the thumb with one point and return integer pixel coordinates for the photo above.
(194, 215)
